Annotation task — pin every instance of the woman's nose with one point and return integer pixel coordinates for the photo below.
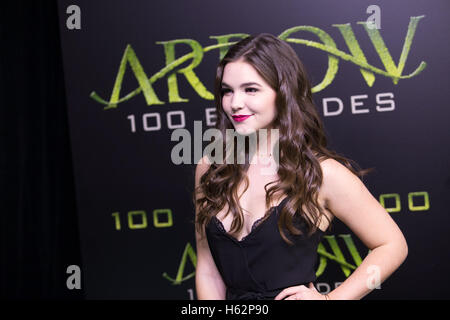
(237, 101)
(235, 109)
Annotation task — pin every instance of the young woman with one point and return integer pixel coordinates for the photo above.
(257, 233)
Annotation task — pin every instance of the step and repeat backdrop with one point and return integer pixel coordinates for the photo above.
(135, 71)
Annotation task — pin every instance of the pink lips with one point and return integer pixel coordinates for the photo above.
(241, 118)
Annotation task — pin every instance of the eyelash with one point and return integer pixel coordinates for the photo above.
(227, 90)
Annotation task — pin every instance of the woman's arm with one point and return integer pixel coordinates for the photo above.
(349, 200)
(208, 281)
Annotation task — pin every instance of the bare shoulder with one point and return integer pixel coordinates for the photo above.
(335, 175)
(337, 178)
(343, 192)
(330, 166)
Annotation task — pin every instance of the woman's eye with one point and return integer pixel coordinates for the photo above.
(225, 91)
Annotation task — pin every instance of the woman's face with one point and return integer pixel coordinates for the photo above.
(245, 93)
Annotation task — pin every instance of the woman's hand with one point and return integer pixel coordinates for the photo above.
(301, 293)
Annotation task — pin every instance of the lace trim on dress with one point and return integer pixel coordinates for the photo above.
(254, 225)
(257, 222)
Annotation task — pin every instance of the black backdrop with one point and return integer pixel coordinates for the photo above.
(124, 175)
(38, 221)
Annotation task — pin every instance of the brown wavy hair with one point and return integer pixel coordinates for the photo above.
(302, 142)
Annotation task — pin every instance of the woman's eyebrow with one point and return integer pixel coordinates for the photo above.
(242, 85)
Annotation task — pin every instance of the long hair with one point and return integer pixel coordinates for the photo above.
(302, 142)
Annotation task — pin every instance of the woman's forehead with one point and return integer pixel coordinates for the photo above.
(237, 74)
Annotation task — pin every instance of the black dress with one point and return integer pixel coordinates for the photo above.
(262, 264)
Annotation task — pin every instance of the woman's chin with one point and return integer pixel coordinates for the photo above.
(244, 131)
